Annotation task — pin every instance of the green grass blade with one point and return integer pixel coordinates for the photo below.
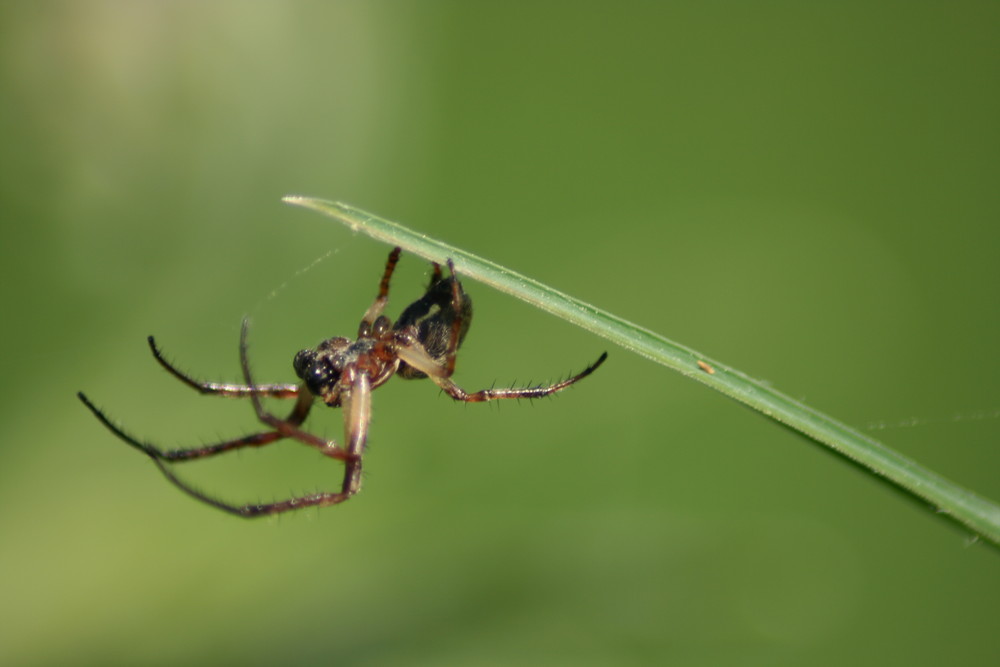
(975, 512)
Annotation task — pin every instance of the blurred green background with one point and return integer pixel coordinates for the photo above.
(806, 191)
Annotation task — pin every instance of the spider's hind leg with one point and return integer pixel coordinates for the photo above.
(418, 358)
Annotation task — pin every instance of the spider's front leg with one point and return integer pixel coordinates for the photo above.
(219, 388)
(356, 402)
(461, 319)
(357, 405)
(284, 428)
(296, 417)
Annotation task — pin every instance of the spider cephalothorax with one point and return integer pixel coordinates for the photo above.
(342, 373)
(436, 323)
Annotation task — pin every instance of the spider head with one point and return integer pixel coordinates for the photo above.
(320, 369)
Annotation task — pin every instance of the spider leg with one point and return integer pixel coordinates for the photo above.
(284, 428)
(357, 415)
(160, 458)
(221, 389)
(375, 310)
(253, 510)
(416, 356)
(435, 274)
(296, 416)
(357, 405)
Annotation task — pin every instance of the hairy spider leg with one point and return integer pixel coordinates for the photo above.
(413, 354)
(357, 409)
(287, 428)
(297, 416)
(219, 388)
(357, 404)
(375, 310)
(283, 428)
(435, 274)
(425, 363)
(357, 416)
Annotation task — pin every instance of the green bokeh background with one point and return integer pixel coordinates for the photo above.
(807, 191)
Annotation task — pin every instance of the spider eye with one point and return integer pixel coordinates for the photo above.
(303, 360)
(320, 376)
(382, 324)
(315, 370)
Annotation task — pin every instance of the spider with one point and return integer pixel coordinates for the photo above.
(342, 373)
